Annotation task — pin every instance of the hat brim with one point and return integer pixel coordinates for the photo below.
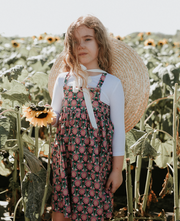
(128, 66)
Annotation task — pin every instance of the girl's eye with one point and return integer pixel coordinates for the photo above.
(88, 39)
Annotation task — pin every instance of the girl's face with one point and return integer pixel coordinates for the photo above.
(86, 47)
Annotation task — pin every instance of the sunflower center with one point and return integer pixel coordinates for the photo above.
(43, 115)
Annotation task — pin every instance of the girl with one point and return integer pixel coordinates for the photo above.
(88, 152)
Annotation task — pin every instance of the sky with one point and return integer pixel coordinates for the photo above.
(121, 17)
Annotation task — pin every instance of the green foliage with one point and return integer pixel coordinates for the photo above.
(3, 170)
(166, 150)
(34, 164)
(4, 130)
(24, 79)
(13, 73)
(142, 146)
(17, 93)
(33, 187)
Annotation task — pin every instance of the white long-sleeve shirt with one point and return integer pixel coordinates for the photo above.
(111, 93)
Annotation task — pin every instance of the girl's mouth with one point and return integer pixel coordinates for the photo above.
(82, 54)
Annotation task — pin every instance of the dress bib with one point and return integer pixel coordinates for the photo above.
(82, 157)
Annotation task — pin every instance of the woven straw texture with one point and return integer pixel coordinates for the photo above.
(133, 73)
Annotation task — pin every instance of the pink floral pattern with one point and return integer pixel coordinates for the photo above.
(82, 158)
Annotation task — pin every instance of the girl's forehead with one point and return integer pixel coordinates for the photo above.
(83, 31)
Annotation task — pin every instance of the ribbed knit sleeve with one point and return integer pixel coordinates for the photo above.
(117, 118)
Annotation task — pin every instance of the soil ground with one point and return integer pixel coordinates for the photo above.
(119, 203)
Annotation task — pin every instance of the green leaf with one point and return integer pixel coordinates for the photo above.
(23, 51)
(40, 78)
(46, 95)
(12, 118)
(11, 59)
(6, 84)
(131, 137)
(148, 151)
(29, 140)
(166, 150)
(13, 72)
(38, 62)
(23, 75)
(3, 170)
(17, 92)
(137, 134)
(137, 146)
(4, 130)
(33, 162)
(143, 147)
(33, 187)
(155, 91)
(148, 128)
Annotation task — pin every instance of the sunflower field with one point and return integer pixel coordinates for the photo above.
(25, 137)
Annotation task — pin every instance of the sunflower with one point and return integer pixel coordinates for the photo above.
(40, 37)
(165, 41)
(57, 38)
(141, 38)
(149, 42)
(38, 115)
(141, 34)
(111, 34)
(33, 37)
(50, 39)
(148, 33)
(118, 37)
(176, 44)
(162, 42)
(15, 44)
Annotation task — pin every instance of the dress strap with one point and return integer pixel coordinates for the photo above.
(101, 80)
(66, 78)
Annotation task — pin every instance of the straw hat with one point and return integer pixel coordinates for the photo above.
(133, 73)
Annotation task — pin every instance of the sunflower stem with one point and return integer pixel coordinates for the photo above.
(138, 167)
(175, 175)
(129, 190)
(36, 140)
(30, 131)
(149, 174)
(47, 175)
(179, 198)
(15, 178)
(21, 153)
(14, 216)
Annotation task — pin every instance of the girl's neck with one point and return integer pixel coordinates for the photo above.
(93, 73)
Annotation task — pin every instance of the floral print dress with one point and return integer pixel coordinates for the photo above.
(82, 157)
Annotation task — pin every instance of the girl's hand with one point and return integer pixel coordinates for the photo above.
(114, 181)
(54, 119)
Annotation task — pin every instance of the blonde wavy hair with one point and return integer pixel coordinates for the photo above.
(70, 59)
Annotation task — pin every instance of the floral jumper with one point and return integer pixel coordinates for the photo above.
(82, 157)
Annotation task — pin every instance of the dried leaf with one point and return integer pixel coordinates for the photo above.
(167, 185)
(33, 162)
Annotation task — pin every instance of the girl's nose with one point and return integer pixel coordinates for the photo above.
(81, 45)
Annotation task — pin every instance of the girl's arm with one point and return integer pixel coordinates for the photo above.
(57, 98)
(118, 146)
(117, 102)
